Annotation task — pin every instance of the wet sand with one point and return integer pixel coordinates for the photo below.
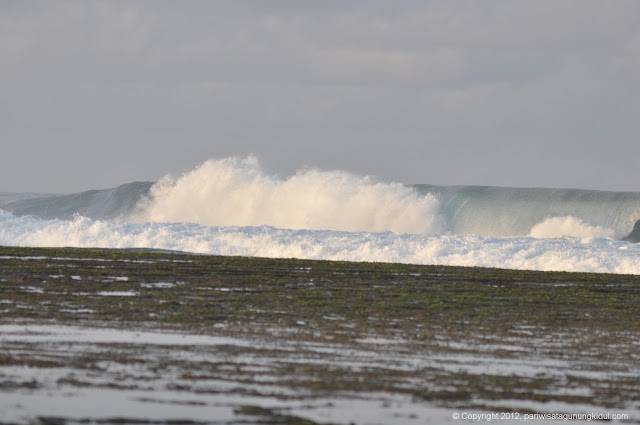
(104, 336)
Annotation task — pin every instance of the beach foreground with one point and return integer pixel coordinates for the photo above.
(105, 336)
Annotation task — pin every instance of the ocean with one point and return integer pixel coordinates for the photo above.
(233, 207)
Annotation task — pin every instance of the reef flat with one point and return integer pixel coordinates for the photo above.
(107, 336)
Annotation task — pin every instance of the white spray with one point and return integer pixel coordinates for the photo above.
(237, 191)
(556, 227)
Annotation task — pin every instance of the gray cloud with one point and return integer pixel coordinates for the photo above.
(506, 93)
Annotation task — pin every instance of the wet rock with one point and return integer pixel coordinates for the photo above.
(634, 236)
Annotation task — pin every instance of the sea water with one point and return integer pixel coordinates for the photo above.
(233, 207)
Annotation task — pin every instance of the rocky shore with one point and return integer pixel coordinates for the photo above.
(106, 336)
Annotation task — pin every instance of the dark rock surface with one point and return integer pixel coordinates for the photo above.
(634, 236)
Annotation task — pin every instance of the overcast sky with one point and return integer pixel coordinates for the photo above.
(509, 93)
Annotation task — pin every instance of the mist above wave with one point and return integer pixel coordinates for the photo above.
(236, 191)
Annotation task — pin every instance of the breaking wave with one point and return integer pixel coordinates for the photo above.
(233, 207)
(237, 192)
(509, 212)
(556, 227)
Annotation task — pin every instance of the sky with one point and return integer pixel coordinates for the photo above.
(506, 93)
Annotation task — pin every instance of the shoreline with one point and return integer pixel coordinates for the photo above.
(288, 341)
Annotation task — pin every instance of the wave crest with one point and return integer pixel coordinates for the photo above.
(236, 191)
(556, 227)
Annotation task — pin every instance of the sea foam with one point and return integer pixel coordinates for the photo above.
(566, 253)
